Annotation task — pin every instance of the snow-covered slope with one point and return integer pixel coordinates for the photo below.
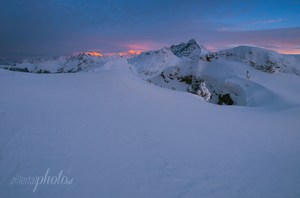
(218, 82)
(261, 59)
(151, 63)
(115, 135)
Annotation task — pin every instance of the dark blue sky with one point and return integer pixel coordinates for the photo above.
(56, 27)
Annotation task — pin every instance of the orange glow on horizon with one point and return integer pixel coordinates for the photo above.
(134, 52)
(94, 54)
(133, 49)
(130, 52)
(289, 51)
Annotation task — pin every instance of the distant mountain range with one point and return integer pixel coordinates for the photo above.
(223, 77)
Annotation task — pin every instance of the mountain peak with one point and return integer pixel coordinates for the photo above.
(192, 41)
(190, 49)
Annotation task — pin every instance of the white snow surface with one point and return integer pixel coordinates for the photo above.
(262, 59)
(150, 63)
(119, 136)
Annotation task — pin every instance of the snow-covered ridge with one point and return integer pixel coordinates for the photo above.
(259, 58)
(150, 63)
(210, 75)
(59, 64)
